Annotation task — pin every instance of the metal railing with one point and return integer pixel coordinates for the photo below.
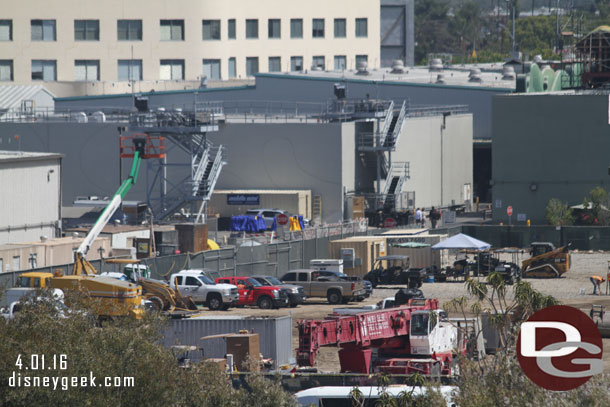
(419, 111)
(386, 123)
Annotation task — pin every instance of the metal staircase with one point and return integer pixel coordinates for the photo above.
(397, 175)
(173, 186)
(392, 127)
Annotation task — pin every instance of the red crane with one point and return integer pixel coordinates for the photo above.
(411, 338)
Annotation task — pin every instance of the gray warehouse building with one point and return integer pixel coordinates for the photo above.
(473, 86)
(551, 145)
(270, 152)
(30, 185)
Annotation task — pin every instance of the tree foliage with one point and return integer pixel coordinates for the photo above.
(497, 380)
(123, 348)
(559, 213)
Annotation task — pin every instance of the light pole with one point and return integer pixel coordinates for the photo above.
(512, 2)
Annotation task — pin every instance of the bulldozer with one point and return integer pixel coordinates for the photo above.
(546, 261)
(162, 296)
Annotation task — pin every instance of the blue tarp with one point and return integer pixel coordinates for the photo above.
(248, 224)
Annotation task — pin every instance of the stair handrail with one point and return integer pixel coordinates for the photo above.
(386, 123)
(398, 127)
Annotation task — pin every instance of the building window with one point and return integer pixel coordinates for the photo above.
(172, 30)
(87, 70)
(296, 64)
(211, 68)
(275, 64)
(172, 69)
(318, 62)
(251, 28)
(6, 33)
(231, 29)
(339, 27)
(6, 71)
(361, 27)
(129, 30)
(296, 28)
(16, 263)
(361, 58)
(275, 28)
(232, 68)
(211, 29)
(43, 30)
(45, 70)
(340, 62)
(318, 28)
(251, 66)
(130, 70)
(86, 30)
(2, 266)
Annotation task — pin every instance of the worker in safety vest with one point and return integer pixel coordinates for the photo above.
(597, 282)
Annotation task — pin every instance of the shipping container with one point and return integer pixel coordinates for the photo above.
(227, 203)
(420, 257)
(366, 251)
(275, 335)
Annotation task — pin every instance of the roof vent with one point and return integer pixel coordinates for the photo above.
(474, 75)
(362, 68)
(436, 65)
(508, 72)
(398, 66)
(440, 78)
(44, 238)
(538, 59)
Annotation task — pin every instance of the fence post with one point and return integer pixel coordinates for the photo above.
(302, 250)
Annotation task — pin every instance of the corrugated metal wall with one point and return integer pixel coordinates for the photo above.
(275, 335)
(30, 193)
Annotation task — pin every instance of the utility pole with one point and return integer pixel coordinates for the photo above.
(557, 27)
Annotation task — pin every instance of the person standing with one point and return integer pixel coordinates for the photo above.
(597, 282)
(419, 218)
(434, 216)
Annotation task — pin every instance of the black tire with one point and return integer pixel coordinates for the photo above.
(214, 302)
(265, 302)
(293, 305)
(157, 303)
(334, 297)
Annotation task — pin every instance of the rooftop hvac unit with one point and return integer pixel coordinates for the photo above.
(508, 72)
(362, 68)
(398, 66)
(435, 65)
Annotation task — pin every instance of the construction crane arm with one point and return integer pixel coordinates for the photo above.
(360, 330)
(81, 265)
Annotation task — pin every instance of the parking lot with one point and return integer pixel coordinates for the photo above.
(567, 289)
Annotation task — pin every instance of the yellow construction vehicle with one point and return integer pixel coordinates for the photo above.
(111, 297)
(546, 261)
(163, 297)
(34, 279)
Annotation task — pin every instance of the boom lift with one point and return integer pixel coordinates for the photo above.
(117, 298)
(407, 339)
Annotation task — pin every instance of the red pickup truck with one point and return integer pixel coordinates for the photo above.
(251, 292)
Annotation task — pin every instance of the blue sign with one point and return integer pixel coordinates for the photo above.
(243, 199)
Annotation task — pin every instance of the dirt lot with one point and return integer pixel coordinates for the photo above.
(569, 290)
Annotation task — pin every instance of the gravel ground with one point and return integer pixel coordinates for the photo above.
(567, 289)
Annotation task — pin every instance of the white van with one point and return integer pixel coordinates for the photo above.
(339, 396)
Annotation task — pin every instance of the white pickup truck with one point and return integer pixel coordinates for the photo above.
(202, 289)
(15, 297)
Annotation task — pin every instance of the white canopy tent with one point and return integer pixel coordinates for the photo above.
(462, 241)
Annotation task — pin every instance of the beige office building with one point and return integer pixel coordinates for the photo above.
(176, 40)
